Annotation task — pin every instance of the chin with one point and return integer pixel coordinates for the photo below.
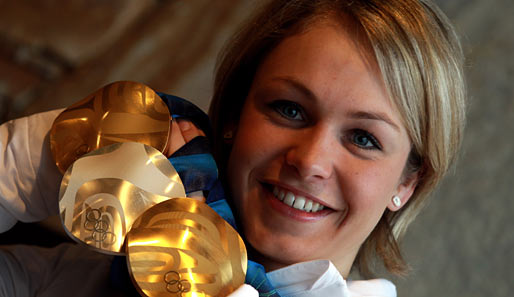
(276, 251)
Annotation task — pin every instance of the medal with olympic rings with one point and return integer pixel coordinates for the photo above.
(105, 191)
(182, 247)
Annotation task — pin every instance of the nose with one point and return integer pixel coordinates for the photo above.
(312, 155)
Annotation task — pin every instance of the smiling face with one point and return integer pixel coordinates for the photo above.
(319, 150)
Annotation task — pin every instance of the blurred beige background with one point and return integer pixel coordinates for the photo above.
(53, 53)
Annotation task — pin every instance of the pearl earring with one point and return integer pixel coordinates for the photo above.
(397, 201)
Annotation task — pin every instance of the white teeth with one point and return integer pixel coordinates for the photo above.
(289, 199)
(315, 207)
(281, 195)
(308, 206)
(298, 202)
(278, 193)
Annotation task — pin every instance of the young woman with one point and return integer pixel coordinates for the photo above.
(333, 122)
(344, 116)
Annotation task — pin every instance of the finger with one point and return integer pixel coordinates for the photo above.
(189, 130)
(244, 291)
(175, 139)
(198, 195)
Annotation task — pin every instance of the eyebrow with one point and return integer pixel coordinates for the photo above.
(297, 85)
(364, 115)
(378, 116)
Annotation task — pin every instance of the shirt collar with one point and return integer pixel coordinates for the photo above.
(321, 278)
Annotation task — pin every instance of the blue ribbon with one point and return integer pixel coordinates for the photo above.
(255, 273)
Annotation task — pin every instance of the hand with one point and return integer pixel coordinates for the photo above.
(244, 291)
(181, 132)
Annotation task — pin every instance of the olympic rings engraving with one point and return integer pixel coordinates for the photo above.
(99, 227)
(175, 285)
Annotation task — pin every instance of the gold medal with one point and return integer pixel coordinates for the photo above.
(105, 191)
(116, 196)
(182, 247)
(119, 112)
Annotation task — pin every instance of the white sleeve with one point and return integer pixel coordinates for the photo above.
(29, 178)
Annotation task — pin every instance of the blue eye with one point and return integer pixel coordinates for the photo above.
(288, 109)
(365, 140)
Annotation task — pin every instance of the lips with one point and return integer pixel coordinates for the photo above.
(296, 201)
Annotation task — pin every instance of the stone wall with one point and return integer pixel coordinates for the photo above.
(53, 53)
(463, 244)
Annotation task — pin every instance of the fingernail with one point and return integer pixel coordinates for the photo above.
(184, 125)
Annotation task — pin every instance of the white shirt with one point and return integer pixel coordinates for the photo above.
(321, 278)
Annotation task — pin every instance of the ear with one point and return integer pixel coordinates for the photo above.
(404, 191)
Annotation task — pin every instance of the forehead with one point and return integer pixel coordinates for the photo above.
(330, 58)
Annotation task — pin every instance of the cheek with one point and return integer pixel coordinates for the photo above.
(372, 188)
(252, 144)
(242, 159)
(244, 150)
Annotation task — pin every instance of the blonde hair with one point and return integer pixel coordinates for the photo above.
(421, 62)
